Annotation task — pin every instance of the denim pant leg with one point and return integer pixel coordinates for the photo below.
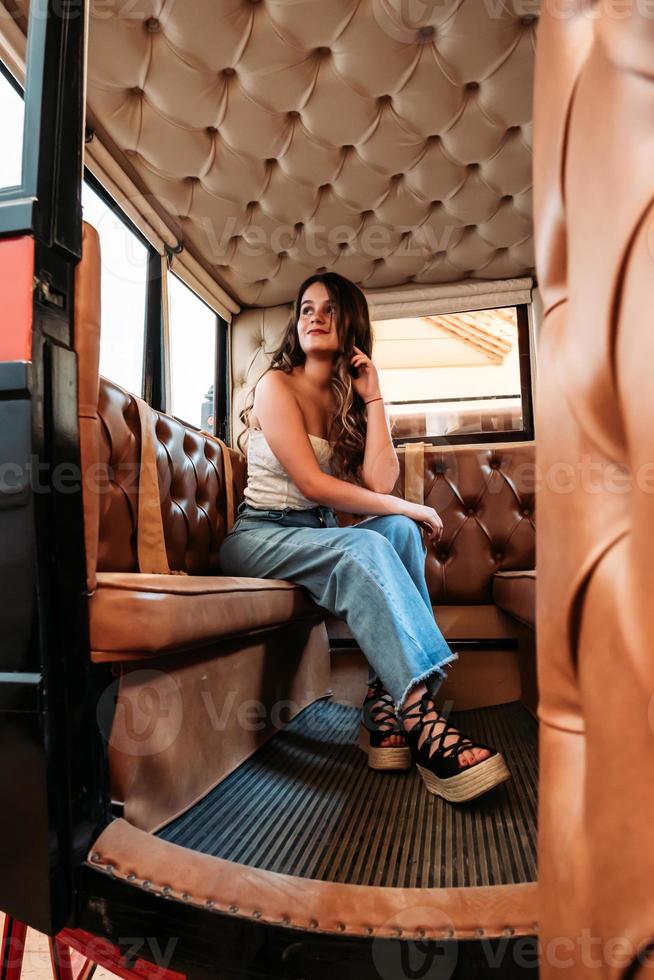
(356, 574)
(406, 537)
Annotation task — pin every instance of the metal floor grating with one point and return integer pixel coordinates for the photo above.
(306, 804)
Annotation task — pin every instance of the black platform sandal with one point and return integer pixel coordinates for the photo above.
(440, 770)
(371, 735)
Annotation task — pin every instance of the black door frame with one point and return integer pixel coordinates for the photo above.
(52, 767)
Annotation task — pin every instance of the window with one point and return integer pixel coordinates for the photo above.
(455, 376)
(193, 329)
(11, 114)
(124, 288)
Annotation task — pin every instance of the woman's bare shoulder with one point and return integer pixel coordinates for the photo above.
(274, 384)
(275, 376)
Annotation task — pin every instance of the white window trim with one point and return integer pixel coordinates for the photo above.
(459, 297)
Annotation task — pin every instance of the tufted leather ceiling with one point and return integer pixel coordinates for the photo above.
(389, 140)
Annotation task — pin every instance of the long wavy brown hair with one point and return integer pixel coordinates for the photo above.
(347, 432)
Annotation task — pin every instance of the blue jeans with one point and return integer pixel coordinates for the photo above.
(371, 574)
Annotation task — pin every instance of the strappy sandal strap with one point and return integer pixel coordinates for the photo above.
(417, 711)
(379, 710)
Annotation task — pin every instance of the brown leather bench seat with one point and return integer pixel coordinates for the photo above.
(515, 593)
(134, 616)
(136, 613)
(159, 498)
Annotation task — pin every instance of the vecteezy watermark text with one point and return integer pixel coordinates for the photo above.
(587, 474)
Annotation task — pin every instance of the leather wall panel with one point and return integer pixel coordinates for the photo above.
(515, 593)
(185, 723)
(594, 143)
(87, 348)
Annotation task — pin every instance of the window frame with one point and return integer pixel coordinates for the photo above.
(49, 131)
(526, 434)
(156, 338)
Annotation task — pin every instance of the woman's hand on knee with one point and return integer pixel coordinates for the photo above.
(427, 517)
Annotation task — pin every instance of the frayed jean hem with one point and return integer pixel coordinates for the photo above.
(436, 671)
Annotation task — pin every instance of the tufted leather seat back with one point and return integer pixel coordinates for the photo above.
(594, 184)
(485, 497)
(191, 486)
(190, 468)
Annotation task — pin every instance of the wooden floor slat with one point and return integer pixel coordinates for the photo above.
(306, 804)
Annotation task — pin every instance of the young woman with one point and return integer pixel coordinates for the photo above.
(319, 441)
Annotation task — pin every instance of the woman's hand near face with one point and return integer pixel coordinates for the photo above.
(366, 384)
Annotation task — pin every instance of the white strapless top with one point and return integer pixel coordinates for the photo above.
(269, 485)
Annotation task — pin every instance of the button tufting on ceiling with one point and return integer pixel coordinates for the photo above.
(388, 97)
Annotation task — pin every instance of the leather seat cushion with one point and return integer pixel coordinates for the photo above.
(135, 616)
(515, 593)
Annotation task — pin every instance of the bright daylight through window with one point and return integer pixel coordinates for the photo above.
(11, 114)
(192, 356)
(124, 287)
(450, 375)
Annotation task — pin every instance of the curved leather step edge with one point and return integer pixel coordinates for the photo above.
(145, 861)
